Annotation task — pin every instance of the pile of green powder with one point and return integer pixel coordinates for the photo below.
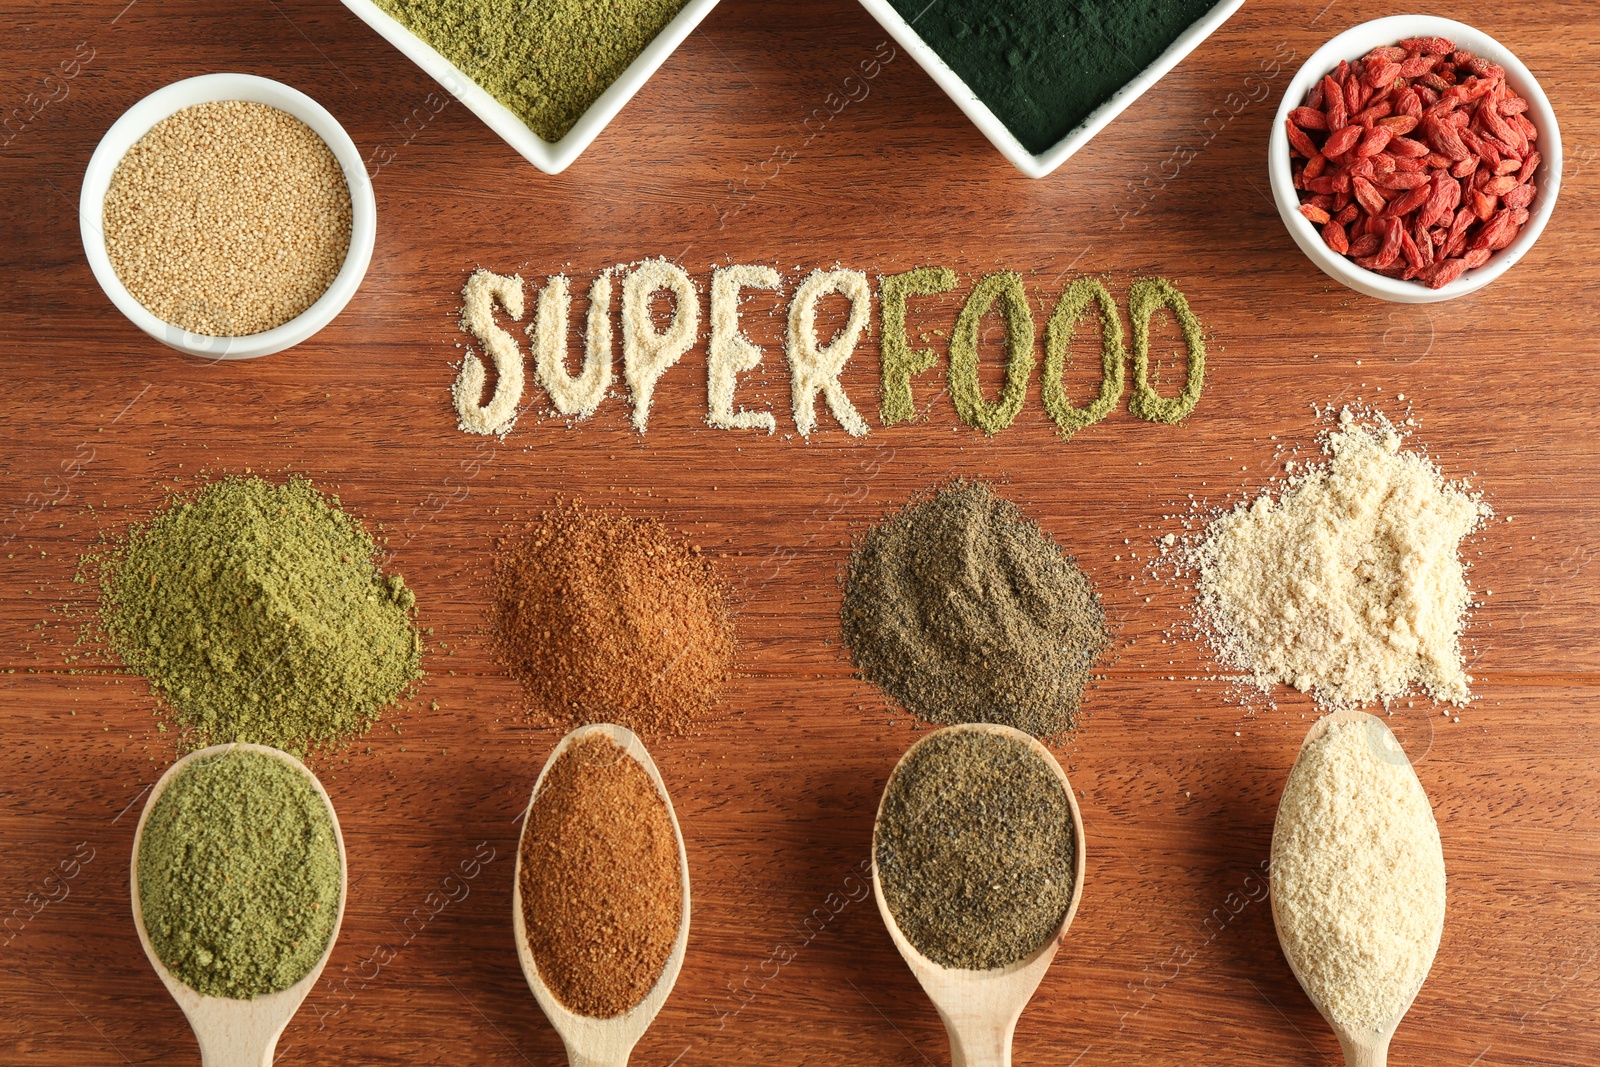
(1043, 65)
(258, 613)
(239, 875)
(975, 848)
(546, 60)
(964, 610)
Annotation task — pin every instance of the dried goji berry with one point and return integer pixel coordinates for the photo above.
(1308, 118)
(1428, 46)
(1316, 214)
(1400, 179)
(1444, 272)
(1373, 142)
(1493, 230)
(1333, 104)
(1335, 237)
(1519, 197)
(1382, 73)
(1529, 165)
(1405, 146)
(1299, 141)
(1368, 197)
(1365, 245)
(1416, 66)
(1408, 202)
(1342, 140)
(1393, 233)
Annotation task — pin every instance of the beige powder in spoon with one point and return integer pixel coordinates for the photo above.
(1358, 874)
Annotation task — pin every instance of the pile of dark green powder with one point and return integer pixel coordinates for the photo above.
(1043, 65)
(546, 60)
(963, 610)
(239, 875)
(258, 613)
(976, 848)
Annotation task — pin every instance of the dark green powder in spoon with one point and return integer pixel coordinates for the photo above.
(1043, 65)
(975, 849)
(239, 875)
(258, 613)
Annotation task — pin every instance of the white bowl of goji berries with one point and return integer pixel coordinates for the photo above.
(1414, 159)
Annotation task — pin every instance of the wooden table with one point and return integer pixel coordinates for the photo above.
(1172, 959)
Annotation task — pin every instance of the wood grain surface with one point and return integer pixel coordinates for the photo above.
(1172, 958)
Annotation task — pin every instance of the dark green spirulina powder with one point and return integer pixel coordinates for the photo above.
(546, 60)
(975, 849)
(964, 610)
(258, 613)
(1043, 65)
(239, 875)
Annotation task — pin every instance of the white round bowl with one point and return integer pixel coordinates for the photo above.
(136, 122)
(1351, 45)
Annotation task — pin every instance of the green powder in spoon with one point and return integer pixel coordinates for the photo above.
(258, 613)
(239, 875)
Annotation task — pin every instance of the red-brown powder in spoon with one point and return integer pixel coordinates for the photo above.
(601, 891)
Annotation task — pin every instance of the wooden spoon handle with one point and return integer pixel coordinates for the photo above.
(246, 1046)
(615, 1054)
(980, 1041)
(1365, 1053)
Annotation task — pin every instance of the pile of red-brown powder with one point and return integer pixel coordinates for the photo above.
(605, 618)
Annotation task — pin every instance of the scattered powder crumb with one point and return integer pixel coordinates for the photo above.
(1348, 585)
(1358, 880)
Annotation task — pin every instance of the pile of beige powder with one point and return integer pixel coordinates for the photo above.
(1348, 584)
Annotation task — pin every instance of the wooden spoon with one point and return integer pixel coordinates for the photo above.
(595, 1042)
(1362, 1047)
(235, 1033)
(980, 1009)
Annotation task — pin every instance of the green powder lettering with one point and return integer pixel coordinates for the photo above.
(546, 60)
(899, 360)
(1043, 65)
(258, 613)
(1058, 356)
(1006, 286)
(975, 849)
(239, 875)
(1145, 297)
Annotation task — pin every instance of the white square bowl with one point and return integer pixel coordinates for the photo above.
(550, 157)
(1037, 166)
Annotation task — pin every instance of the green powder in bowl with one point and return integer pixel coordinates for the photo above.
(240, 874)
(546, 60)
(1043, 65)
